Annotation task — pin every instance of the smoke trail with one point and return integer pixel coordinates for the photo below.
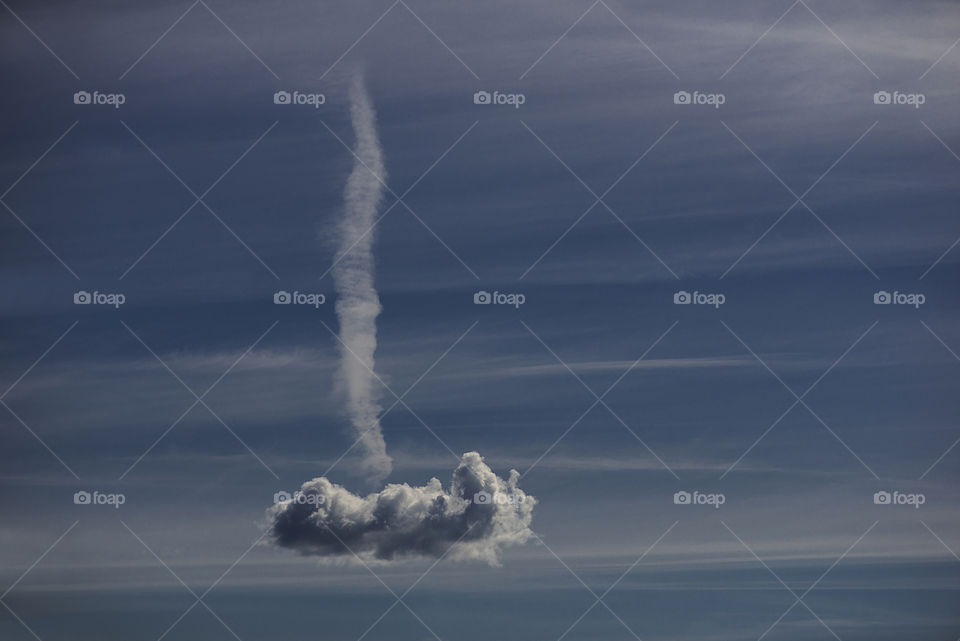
(357, 302)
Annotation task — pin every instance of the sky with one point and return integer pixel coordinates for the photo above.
(775, 459)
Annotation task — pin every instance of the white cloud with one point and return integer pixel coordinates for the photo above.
(404, 521)
(358, 304)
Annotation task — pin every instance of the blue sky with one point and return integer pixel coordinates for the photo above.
(598, 199)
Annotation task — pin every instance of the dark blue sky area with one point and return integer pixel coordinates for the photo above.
(799, 200)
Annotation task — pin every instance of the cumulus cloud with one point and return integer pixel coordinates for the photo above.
(474, 518)
(358, 304)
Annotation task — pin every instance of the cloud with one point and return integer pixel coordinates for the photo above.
(623, 365)
(358, 304)
(478, 515)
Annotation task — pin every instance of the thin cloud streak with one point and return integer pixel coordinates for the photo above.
(358, 304)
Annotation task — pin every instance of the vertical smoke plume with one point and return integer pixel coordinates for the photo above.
(357, 302)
